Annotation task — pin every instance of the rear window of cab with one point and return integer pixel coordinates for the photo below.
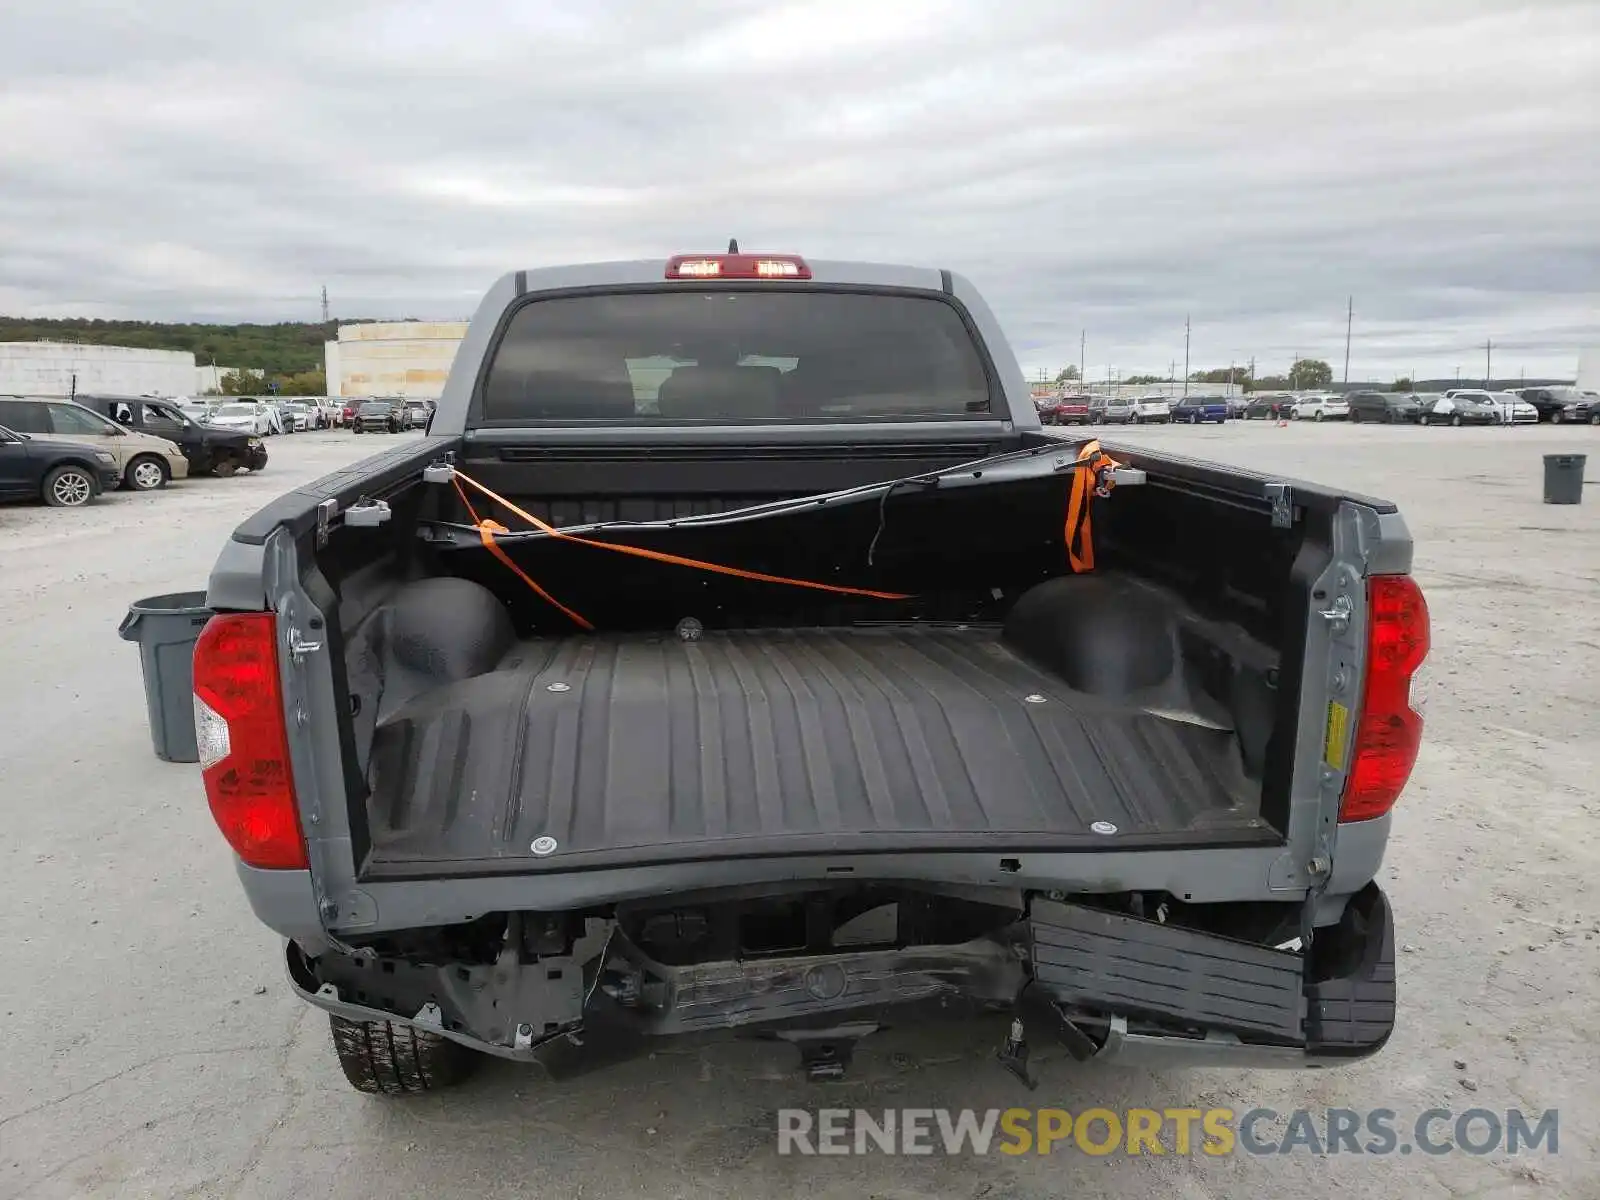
(735, 356)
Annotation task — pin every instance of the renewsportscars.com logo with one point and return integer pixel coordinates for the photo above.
(1217, 1132)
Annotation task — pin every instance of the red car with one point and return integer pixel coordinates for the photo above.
(1062, 410)
(1072, 410)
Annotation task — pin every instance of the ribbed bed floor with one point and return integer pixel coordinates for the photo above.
(642, 747)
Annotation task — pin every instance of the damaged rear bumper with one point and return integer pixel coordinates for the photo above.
(1103, 985)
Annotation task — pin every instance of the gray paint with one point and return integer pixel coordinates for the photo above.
(450, 414)
(245, 576)
(1019, 397)
(236, 579)
(450, 419)
(1272, 873)
(1204, 876)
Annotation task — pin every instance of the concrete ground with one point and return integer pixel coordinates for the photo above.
(152, 1048)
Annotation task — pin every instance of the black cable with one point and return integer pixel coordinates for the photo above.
(883, 509)
(779, 507)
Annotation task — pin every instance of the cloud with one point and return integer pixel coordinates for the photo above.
(1096, 166)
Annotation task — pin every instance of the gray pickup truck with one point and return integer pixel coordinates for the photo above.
(735, 653)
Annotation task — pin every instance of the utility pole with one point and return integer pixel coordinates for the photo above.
(1083, 360)
(1185, 354)
(1252, 372)
(1488, 362)
(1230, 379)
(324, 304)
(1349, 320)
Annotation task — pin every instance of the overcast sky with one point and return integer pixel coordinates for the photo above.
(1107, 165)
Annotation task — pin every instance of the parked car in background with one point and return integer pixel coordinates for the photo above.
(1385, 408)
(416, 414)
(377, 416)
(1557, 404)
(1269, 406)
(1322, 407)
(1152, 410)
(1585, 408)
(63, 474)
(208, 448)
(1462, 408)
(297, 416)
(1073, 410)
(144, 461)
(1110, 410)
(1197, 409)
(1514, 410)
(246, 415)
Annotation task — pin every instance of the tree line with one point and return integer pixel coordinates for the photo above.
(259, 383)
(281, 349)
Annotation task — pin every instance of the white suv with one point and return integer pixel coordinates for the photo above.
(1152, 410)
(1320, 408)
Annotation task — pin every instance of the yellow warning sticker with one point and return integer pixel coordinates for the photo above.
(1338, 726)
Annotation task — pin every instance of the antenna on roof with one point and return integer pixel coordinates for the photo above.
(733, 245)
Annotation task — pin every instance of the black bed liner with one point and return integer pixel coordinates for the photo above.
(634, 748)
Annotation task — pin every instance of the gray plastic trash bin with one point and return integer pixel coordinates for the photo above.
(1563, 478)
(166, 628)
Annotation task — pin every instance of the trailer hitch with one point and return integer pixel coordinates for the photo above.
(825, 1053)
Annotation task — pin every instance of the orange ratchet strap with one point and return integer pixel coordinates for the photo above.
(486, 531)
(487, 528)
(1091, 476)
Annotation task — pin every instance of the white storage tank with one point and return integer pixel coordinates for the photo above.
(393, 358)
(60, 368)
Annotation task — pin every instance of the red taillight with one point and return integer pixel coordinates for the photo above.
(737, 266)
(244, 746)
(1388, 731)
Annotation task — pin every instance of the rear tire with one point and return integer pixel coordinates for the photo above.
(68, 487)
(385, 1059)
(1457, 421)
(146, 474)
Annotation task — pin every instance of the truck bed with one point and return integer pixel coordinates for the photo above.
(644, 748)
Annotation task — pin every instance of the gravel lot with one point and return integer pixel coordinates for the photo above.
(152, 1048)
